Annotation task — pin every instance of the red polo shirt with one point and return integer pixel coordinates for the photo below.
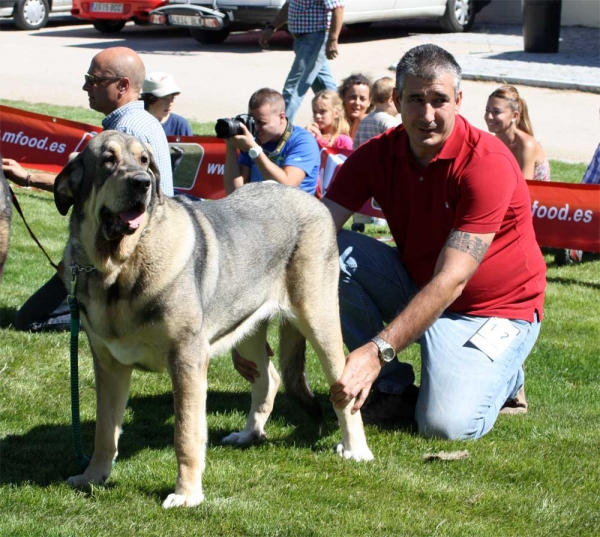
(474, 184)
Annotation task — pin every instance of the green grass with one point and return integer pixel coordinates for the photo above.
(532, 475)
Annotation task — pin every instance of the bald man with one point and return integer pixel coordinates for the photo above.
(113, 84)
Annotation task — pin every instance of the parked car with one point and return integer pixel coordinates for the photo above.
(32, 14)
(109, 16)
(211, 21)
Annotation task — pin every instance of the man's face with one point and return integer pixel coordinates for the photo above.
(270, 123)
(428, 110)
(103, 93)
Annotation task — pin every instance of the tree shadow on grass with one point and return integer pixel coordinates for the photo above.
(45, 454)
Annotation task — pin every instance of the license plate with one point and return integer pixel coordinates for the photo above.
(184, 20)
(104, 7)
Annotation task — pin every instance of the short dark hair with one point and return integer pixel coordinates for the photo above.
(356, 79)
(148, 99)
(429, 62)
(266, 96)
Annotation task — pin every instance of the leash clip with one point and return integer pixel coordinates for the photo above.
(75, 268)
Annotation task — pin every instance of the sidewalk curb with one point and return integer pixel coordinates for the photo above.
(552, 84)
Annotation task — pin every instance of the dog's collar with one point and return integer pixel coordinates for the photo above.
(76, 269)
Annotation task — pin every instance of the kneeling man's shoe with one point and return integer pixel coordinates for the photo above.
(390, 410)
(516, 405)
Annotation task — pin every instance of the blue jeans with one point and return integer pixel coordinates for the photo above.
(462, 390)
(310, 69)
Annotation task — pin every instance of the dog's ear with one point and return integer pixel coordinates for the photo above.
(67, 183)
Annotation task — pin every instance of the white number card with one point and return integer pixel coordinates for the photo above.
(494, 336)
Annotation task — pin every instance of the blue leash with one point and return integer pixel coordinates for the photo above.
(82, 460)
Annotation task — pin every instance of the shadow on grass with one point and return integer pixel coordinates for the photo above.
(7, 317)
(573, 281)
(45, 454)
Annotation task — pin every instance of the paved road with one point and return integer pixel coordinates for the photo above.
(48, 66)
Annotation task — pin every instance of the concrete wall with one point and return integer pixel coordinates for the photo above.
(573, 13)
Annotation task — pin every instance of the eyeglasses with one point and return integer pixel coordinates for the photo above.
(93, 79)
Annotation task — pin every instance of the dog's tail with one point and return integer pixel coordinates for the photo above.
(292, 363)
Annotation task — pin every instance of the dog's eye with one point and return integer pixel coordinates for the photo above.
(144, 159)
(109, 158)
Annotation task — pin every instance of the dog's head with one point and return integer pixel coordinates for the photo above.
(112, 183)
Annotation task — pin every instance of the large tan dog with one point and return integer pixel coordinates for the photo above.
(165, 283)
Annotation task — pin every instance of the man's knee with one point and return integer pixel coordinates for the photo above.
(447, 425)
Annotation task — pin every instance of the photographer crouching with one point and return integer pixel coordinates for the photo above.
(271, 147)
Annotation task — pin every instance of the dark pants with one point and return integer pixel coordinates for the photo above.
(46, 310)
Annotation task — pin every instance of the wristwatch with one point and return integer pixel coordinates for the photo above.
(385, 350)
(253, 152)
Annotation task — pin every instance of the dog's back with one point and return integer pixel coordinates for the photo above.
(5, 219)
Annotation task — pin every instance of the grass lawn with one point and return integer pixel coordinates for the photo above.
(532, 475)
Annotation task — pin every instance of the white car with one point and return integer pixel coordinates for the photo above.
(212, 21)
(32, 14)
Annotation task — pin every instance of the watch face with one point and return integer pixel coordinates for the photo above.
(388, 354)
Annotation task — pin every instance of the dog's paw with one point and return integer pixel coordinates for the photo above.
(79, 482)
(180, 500)
(244, 438)
(358, 454)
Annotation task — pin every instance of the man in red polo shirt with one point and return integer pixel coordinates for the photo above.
(467, 278)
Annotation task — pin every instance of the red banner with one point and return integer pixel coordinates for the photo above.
(564, 215)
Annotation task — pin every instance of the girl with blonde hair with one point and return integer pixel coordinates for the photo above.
(329, 125)
(507, 117)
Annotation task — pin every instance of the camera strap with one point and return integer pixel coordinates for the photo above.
(272, 155)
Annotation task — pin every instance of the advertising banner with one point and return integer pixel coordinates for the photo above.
(564, 215)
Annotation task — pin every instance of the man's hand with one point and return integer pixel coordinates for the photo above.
(14, 171)
(361, 370)
(246, 368)
(243, 141)
(331, 49)
(265, 35)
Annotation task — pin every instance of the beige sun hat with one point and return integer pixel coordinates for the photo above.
(160, 84)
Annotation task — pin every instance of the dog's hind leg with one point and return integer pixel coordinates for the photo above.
(317, 318)
(264, 388)
(112, 388)
(292, 364)
(189, 380)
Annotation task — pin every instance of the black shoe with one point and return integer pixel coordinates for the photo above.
(391, 410)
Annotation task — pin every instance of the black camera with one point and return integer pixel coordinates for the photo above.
(226, 128)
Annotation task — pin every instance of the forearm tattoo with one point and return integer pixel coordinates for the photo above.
(465, 242)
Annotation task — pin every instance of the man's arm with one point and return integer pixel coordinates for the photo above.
(456, 264)
(233, 175)
(337, 20)
(339, 213)
(20, 176)
(280, 20)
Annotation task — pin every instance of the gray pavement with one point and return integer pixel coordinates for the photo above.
(496, 53)
(562, 90)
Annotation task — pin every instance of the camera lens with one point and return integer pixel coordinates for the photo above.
(226, 128)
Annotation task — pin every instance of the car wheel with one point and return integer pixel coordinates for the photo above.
(109, 26)
(210, 37)
(31, 14)
(459, 15)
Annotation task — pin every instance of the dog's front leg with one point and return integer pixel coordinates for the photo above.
(189, 379)
(112, 388)
(264, 389)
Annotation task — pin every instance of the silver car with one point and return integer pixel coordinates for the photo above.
(32, 14)
(211, 21)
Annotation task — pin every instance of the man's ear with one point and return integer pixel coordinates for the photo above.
(397, 98)
(68, 183)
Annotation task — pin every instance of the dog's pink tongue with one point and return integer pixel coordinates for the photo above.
(132, 218)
